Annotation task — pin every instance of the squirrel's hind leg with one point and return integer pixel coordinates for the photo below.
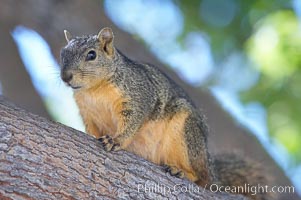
(174, 171)
(108, 143)
(195, 135)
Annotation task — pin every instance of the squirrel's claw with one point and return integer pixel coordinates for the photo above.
(174, 171)
(108, 143)
(116, 147)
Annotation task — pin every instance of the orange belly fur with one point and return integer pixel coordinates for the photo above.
(160, 141)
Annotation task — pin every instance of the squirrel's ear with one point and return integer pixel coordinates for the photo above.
(105, 37)
(68, 35)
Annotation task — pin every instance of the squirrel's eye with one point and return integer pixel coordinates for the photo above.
(91, 55)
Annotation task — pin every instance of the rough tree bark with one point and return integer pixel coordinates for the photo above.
(40, 159)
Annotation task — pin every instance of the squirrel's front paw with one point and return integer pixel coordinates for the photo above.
(174, 171)
(108, 143)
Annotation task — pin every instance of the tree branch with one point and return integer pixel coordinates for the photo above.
(41, 159)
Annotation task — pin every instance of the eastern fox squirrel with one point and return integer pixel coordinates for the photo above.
(136, 107)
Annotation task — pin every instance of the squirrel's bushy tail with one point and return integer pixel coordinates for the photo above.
(242, 176)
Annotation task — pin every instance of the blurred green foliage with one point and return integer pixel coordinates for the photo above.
(269, 34)
(275, 48)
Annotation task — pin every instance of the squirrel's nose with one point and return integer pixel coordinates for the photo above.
(67, 76)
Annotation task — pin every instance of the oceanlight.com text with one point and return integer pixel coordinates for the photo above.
(192, 188)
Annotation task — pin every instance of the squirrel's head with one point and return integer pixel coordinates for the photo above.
(87, 60)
